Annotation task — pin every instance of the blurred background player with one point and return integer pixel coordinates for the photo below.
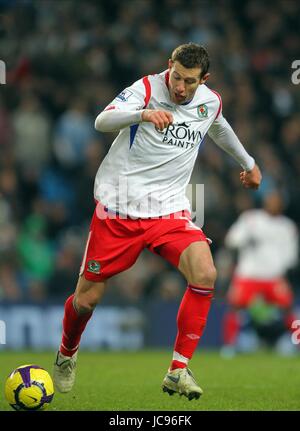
(140, 189)
(267, 245)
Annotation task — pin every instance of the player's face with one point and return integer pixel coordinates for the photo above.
(184, 82)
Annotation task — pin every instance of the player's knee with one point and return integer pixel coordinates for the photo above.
(205, 277)
(85, 304)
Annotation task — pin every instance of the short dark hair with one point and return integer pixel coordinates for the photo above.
(192, 55)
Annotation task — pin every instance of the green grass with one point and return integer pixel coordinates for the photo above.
(131, 381)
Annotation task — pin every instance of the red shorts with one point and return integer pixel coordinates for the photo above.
(244, 291)
(114, 244)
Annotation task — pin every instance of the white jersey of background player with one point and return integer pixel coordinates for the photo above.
(147, 170)
(266, 240)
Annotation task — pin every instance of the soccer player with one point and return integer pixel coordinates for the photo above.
(267, 245)
(140, 193)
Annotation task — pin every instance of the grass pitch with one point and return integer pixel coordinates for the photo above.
(132, 381)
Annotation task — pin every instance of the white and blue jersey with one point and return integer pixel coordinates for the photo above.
(146, 171)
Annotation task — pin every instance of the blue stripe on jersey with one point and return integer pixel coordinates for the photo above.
(202, 140)
(133, 130)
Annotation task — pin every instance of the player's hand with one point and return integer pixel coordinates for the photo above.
(161, 119)
(251, 179)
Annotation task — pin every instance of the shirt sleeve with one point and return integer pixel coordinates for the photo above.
(290, 246)
(125, 110)
(222, 134)
(239, 233)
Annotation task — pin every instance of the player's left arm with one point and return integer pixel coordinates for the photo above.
(290, 245)
(223, 135)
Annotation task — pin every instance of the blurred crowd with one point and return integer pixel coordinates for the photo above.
(66, 60)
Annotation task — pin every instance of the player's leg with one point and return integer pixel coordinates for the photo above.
(240, 295)
(111, 248)
(78, 311)
(231, 326)
(185, 246)
(196, 264)
(280, 293)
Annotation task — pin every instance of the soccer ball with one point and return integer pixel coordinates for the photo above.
(29, 387)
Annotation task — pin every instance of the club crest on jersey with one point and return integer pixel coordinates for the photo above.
(202, 111)
(93, 266)
(124, 95)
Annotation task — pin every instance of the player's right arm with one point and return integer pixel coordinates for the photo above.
(128, 108)
(160, 119)
(114, 119)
